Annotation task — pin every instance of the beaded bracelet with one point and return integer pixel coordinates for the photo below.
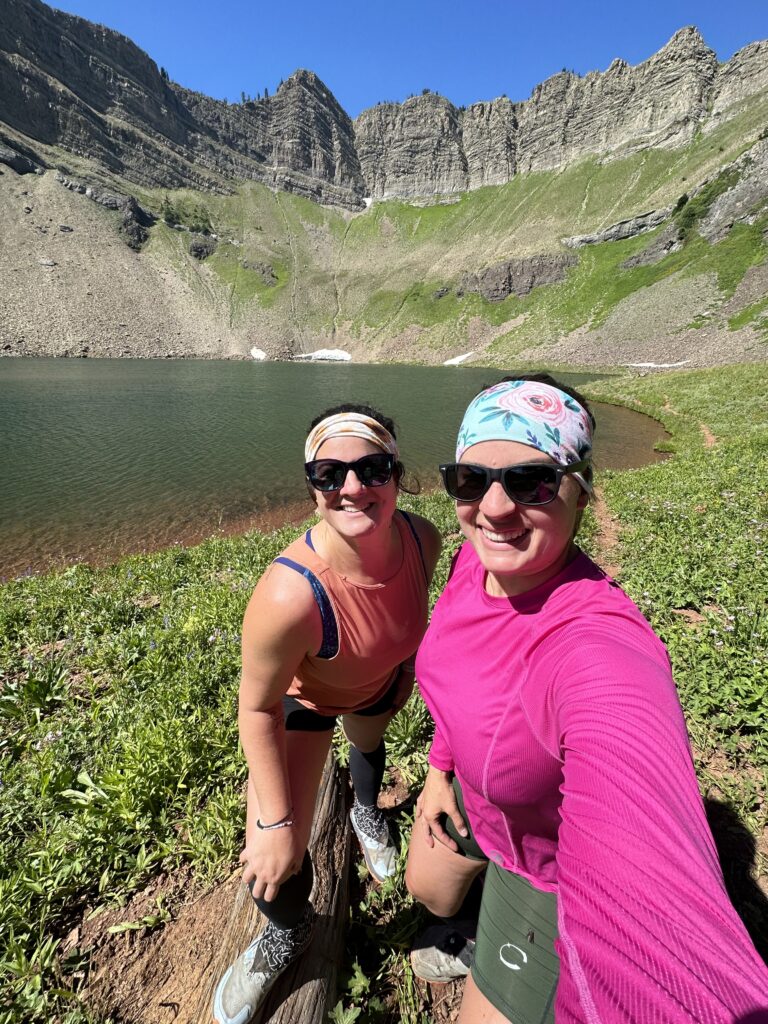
(283, 823)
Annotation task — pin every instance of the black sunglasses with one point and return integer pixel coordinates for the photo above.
(531, 483)
(330, 474)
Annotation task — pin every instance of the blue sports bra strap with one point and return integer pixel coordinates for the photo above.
(330, 645)
(308, 538)
(412, 528)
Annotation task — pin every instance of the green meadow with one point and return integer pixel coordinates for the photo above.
(119, 756)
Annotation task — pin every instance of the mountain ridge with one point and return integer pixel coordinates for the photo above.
(70, 86)
(617, 217)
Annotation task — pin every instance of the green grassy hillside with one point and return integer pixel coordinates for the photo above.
(365, 279)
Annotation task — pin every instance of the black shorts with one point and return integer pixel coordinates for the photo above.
(301, 719)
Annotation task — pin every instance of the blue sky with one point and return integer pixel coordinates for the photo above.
(366, 53)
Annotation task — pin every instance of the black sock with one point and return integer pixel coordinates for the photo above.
(285, 910)
(367, 771)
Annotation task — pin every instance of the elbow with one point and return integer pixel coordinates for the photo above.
(264, 720)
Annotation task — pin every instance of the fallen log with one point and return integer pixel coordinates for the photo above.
(306, 992)
(169, 975)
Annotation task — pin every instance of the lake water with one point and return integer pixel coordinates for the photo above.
(103, 457)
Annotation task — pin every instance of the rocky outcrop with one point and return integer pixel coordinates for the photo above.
(517, 277)
(426, 146)
(744, 75)
(403, 147)
(265, 271)
(745, 200)
(202, 246)
(67, 83)
(19, 163)
(665, 243)
(657, 103)
(621, 229)
(134, 221)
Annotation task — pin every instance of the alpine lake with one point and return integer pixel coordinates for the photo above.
(101, 458)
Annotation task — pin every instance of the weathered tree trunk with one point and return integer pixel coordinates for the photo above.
(306, 991)
(168, 976)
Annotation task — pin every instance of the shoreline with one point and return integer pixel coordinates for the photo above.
(266, 522)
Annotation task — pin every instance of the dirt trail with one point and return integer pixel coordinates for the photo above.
(607, 537)
(709, 438)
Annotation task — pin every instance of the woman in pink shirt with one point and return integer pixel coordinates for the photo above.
(560, 765)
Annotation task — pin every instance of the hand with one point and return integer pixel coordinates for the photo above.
(272, 856)
(436, 799)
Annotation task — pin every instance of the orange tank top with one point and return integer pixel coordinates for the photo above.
(377, 626)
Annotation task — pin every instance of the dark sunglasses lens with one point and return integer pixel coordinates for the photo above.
(464, 482)
(374, 470)
(531, 485)
(326, 474)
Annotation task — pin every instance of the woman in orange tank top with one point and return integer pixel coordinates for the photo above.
(331, 629)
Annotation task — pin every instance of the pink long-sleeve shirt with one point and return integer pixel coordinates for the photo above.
(559, 716)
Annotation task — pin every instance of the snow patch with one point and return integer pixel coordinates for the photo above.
(457, 359)
(325, 355)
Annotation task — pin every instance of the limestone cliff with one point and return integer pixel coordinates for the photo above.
(426, 146)
(82, 88)
(69, 86)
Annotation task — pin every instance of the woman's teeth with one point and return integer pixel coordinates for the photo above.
(501, 538)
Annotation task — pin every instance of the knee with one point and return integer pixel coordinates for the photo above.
(423, 890)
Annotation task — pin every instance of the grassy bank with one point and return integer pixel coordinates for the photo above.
(118, 745)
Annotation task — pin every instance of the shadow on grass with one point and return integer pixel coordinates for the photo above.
(737, 849)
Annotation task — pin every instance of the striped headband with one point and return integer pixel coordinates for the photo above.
(349, 424)
(530, 413)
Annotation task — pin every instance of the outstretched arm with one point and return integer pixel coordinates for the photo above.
(646, 928)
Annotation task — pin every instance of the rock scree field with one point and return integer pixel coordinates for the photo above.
(122, 783)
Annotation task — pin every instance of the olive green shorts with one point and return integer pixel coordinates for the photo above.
(515, 964)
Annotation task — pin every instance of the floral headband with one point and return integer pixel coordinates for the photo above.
(538, 415)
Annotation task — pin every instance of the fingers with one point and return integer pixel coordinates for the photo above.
(432, 829)
(424, 826)
(261, 889)
(442, 836)
(458, 823)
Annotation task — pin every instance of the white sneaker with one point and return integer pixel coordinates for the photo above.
(442, 954)
(372, 833)
(247, 982)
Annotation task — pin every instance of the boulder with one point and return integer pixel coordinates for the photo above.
(202, 246)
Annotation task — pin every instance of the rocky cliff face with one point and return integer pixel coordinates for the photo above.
(426, 146)
(67, 83)
(70, 85)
